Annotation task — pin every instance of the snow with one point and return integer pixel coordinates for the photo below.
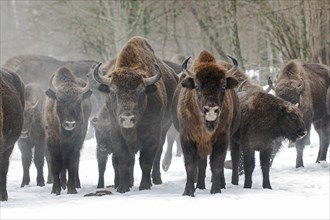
(301, 193)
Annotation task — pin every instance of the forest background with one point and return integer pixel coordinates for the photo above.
(261, 34)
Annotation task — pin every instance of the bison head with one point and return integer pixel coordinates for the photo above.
(290, 84)
(69, 97)
(210, 83)
(30, 110)
(34, 99)
(291, 121)
(127, 93)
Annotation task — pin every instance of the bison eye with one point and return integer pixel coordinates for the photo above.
(293, 117)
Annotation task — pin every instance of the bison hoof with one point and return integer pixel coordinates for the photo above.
(100, 186)
(3, 195)
(122, 189)
(189, 192)
(166, 164)
(157, 180)
(144, 187)
(266, 186)
(72, 191)
(215, 190)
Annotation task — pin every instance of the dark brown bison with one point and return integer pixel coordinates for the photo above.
(104, 146)
(265, 119)
(11, 121)
(306, 84)
(139, 92)
(32, 137)
(206, 113)
(67, 110)
(38, 69)
(101, 125)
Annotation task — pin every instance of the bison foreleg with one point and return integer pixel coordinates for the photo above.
(202, 163)
(39, 155)
(217, 161)
(249, 164)
(26, 151)
(124, 164)
(265, 156)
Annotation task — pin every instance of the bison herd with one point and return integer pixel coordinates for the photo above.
(137, 100)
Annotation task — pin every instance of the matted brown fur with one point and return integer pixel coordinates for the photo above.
(11, 121)
(307, 84)
(206, 113)
(129, 93)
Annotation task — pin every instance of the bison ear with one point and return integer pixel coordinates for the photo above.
(151, 88)
(188, 83)
(87, 94)
(50, 93)
(231, 82)
(104, 88)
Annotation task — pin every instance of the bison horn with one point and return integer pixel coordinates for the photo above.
(234, 68)
(88, 84)
(98, 78)
(153, 79)
(241, 86)
(35, 104)
(184, 67)
(50, 83)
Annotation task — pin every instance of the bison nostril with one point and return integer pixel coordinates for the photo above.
(205, 109)
(69, 125)
(127, 121)
(302, 132)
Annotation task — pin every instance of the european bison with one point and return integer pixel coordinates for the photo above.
(33, 134)
(206, 113)
(104, 146)
(101, 125)
(139, 91)
(68, 108)
(11, 121)
(265, 119)
(306, 84)
(38, 69)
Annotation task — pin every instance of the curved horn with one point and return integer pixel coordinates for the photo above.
(241, 86)
(88, 85)
(153, 79)
(35, 104)
(98, 78)
(50, 83)
(234, 68)
(184, 67)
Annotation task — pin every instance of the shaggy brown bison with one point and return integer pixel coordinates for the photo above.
(139, 91)
(11, 121)
(67, 110)
(265, 119)
(306, 84)
(32, 137)
(206, 113)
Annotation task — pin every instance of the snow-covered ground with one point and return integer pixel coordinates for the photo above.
(301, 193)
